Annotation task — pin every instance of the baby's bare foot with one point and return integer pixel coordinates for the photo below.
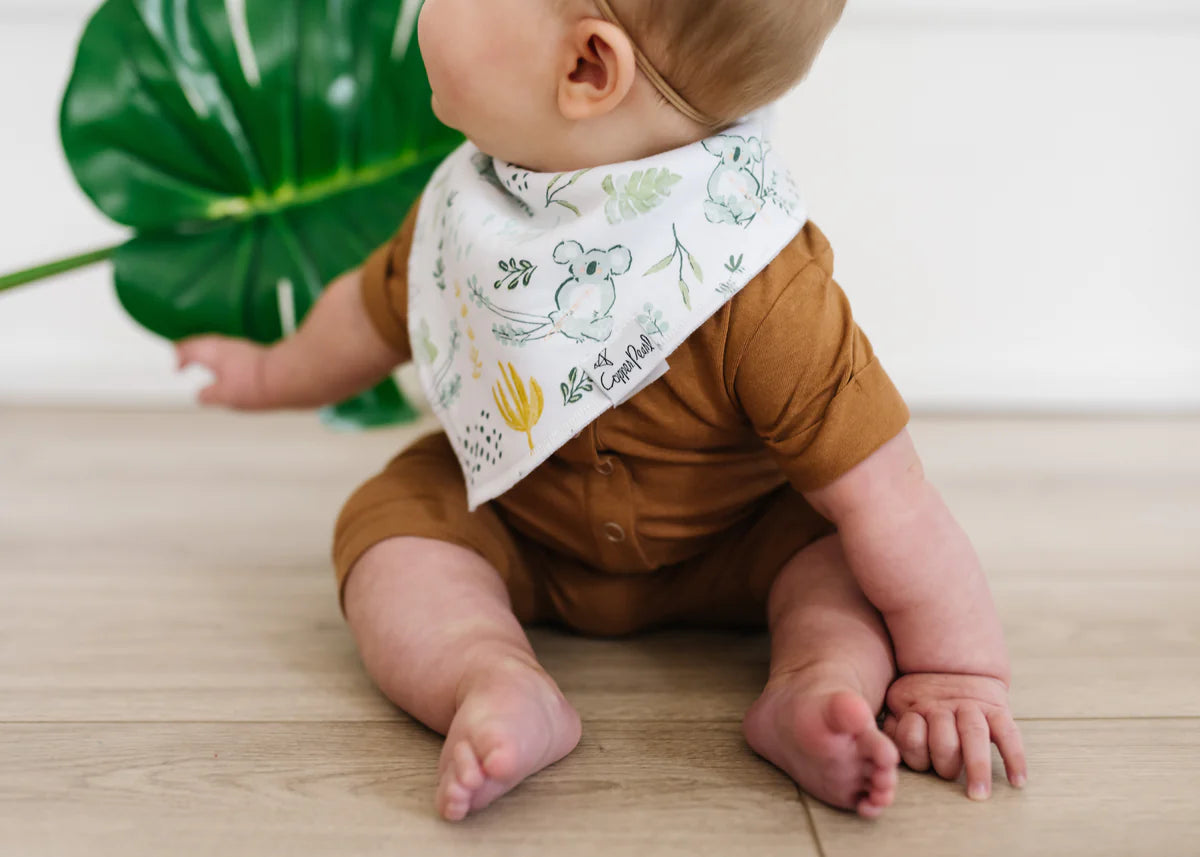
(823, 734)
(512, 722)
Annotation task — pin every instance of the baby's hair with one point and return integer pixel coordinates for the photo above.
(729, 57)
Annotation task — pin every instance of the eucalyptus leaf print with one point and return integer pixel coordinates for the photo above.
(446, 382)
(652, 322)
(782, 190)
(516, 272)
(575, 386)
(425, 350)
(557, 186)
(682, 255)
(644, 190)
(439, 270)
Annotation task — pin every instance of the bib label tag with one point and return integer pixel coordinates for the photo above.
(628, 363)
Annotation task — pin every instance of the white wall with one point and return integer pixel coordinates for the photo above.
(1013, 188)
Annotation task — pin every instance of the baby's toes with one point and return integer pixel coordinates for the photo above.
(461, 778)
(877, 749)
(884, 779)
(467, 767)
(873, 803)
(878, 790)
(501, 761)
(453, 799)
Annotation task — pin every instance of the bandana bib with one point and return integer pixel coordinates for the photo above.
(539, 301)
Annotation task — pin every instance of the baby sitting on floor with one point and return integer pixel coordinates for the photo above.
(657, 409)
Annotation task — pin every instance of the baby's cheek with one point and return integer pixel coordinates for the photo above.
(442, 49)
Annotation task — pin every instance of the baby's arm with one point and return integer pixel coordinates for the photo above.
(335, 354)
(918, 568)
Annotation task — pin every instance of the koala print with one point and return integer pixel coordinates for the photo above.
(585, 299)
(583, 302)
(735, 193)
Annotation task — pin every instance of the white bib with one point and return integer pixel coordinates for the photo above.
(539, 301)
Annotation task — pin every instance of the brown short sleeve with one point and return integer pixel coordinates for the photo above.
(385, 286)
(811, 385)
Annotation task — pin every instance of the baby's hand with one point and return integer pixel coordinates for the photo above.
(239, 367)
(952, 720)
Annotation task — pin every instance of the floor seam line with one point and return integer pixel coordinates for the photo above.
(812, 823)
(595, 720)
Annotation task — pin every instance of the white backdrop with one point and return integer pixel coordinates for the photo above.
(1013, 188)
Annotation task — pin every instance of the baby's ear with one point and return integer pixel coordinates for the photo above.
(716, 146)
(620, 260)
(568, 252)
(756, 148)
(597, 69)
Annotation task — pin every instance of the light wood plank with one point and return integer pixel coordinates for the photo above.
(168, 596)
(1096, 788)
(329, 788)
(163, 566)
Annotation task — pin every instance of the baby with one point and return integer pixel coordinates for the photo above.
(715, 442)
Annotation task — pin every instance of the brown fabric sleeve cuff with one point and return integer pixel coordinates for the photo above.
(867, 413)
(377, 298)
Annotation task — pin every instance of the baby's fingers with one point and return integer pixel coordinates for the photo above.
(912, 739)
(944, 749)
(197, 349)
(213, 394)
(975, 736)
(1008, 740)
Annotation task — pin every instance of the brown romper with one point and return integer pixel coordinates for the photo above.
(679, 506)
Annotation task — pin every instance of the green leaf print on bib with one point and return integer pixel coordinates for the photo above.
(575, 274)
(681, 253)
(637, 193)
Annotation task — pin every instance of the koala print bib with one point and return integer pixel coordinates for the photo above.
(538, 301)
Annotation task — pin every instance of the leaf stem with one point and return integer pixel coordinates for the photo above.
(291, 196)
(61, 266)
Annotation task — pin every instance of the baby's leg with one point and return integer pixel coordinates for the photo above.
(437, 633)
(831, 664)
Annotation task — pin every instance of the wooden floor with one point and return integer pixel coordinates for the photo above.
(175, 678)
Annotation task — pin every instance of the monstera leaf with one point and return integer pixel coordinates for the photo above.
(259, 148)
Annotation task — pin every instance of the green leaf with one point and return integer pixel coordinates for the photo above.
(567, 206)
(248, 150)
(661, 266)
(696, 268)
(382, 406)
(687, 295)
(50, 269)
(637, 193)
